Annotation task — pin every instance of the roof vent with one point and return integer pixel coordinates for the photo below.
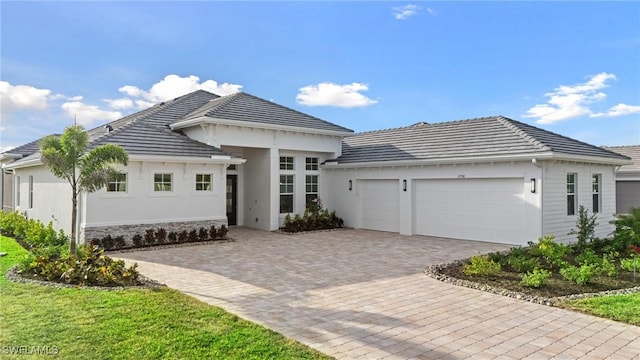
(109, 128)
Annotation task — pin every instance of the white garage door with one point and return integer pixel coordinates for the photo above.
(379, 204)
(475, 209)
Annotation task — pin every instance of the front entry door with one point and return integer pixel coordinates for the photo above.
(232, 199)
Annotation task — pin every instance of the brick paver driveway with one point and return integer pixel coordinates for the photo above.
(362, 294)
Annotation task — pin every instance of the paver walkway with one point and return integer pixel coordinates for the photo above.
(358, 294)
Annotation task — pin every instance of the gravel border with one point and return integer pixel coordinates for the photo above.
(145, 283)
(435, 271)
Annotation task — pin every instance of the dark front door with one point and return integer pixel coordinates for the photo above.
(232, 199)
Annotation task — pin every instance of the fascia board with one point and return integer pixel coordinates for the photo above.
(249, 124)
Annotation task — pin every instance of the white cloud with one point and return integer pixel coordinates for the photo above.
(22, 97)
(173, 86)
(432, 11)
(329, 94)
(406, 11)
(572, 101)
(120, 104)
(86, 114)
(623, 109)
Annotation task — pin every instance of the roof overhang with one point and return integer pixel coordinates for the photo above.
(542, 156)
(32, 160)
(214, 159)
(10, 156)
(255, 125)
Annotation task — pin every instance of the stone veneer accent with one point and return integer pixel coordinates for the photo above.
(128, 231)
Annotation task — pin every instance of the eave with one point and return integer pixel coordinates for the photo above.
(255, 125)
(541, 156)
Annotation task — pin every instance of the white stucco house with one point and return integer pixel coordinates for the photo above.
(628, 179)
(201, 159)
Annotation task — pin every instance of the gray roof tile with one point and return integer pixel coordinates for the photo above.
(633, 152)
(489, 136)
(245, 107)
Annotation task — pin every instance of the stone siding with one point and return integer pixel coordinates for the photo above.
(128, 231)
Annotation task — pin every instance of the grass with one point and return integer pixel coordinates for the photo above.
(625, 308)
(127, 324)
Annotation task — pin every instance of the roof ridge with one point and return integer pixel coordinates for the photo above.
(291, 109)
(509, 123)
(620, 146)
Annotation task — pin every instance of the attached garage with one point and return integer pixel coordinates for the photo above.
(628, 196)
(379, 204)
(475, 209)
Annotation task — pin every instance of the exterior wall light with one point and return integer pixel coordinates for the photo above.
(533, 185)
(404, 185)
(350, 185)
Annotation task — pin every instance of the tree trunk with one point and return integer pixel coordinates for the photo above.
(74, 215)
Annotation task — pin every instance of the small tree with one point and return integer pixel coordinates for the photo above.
(586, 226)
(67, 158)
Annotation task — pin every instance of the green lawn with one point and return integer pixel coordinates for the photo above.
(127, 324)
(625, 308)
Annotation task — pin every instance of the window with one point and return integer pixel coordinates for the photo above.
(595, 192)
(162, 182)
(17, 190)
(30, 192)
(311, 185)
(311, 164)
(203, 182)
(571, 193)
(117, 183)
(286, 194)
(286, 162)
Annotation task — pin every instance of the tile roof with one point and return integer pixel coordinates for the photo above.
(481, 137)
(27, 149)
(245, 107)
(633, 152)
(147, 132)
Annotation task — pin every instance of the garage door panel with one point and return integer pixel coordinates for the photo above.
(379, 205)
(476, 209)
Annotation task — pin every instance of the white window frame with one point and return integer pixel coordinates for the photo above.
(287, 163)
(286, 191)
(206, 186)
(572, 192)
(163, 182)
(309, 187)
(311, 163)
(117, 184)
(596, 193)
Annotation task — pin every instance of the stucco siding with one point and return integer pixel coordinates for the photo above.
(555, 220)
(51, 197)
(140, 204)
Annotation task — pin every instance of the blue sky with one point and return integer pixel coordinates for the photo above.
(569, 67)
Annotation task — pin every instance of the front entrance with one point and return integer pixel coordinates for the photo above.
(232, 199)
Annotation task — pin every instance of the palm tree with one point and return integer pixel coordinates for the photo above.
(67, 157)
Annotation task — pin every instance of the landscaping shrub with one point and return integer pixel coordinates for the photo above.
(137, 240)
(482, 265)
(222, 232)
(30, 232)
(535, 278)
(553, 253)
(212, 232)
(149, 237)
(522, 263)
(161, 235)
(628, 229)
(193, 236)
(315, 218)
(89, 268)
(173, 237)
(203, 234)
(580, 275)
(183, 236)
